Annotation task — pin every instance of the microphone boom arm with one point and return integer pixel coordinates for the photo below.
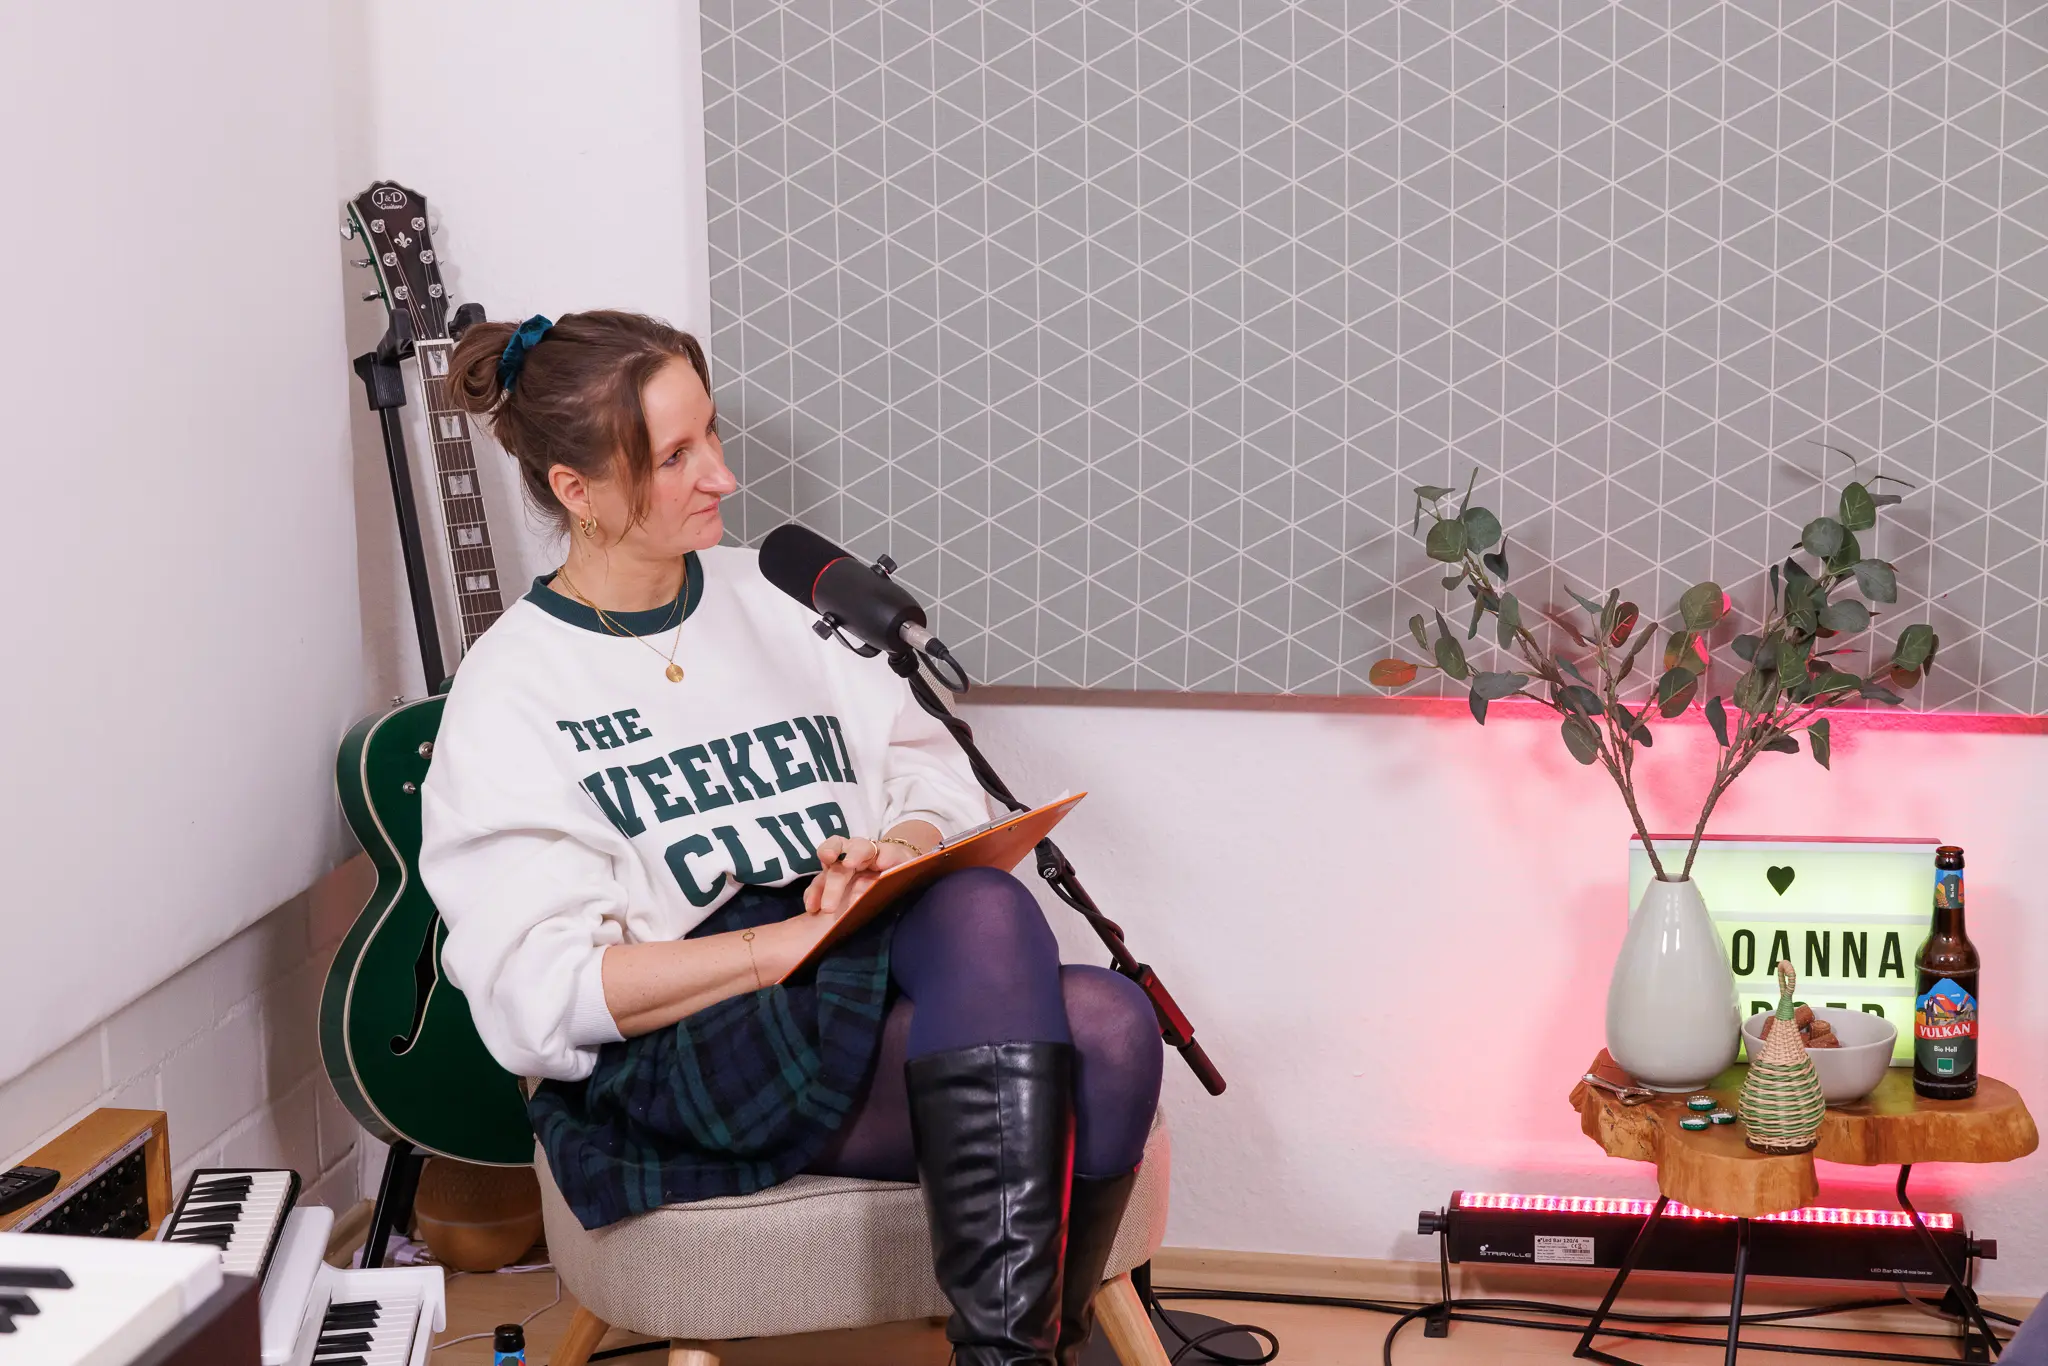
(1059, 874)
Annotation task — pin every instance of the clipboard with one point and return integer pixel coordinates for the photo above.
(1002, 843)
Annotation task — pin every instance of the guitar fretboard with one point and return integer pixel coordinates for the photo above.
(477, 595)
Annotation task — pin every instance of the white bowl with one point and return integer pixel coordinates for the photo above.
(1852, 1071)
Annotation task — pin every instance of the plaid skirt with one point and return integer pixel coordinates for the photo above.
(738, 1097)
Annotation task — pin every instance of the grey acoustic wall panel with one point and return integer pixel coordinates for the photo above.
(1126, 326)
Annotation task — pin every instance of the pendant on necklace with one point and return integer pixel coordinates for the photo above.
(675, 673)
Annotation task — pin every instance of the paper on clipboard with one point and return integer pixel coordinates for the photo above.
(1002, 843)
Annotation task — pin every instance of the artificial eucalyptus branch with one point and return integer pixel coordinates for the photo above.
(1790, 672)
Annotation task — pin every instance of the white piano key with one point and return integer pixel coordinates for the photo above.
(124, 1296)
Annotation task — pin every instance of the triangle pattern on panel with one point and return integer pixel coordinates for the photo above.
(1127, 331)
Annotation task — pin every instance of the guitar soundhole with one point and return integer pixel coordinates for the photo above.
(425, 971)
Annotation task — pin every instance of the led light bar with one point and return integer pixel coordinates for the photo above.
(1596, 1231)
(1600, 1204)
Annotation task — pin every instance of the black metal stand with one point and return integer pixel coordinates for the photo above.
(1053, 866)
(1973, 1347)
(393, 1210)
(384, 386)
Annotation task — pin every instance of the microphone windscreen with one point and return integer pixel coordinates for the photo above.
(792, 558)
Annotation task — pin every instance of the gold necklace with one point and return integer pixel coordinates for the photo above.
(674, 672)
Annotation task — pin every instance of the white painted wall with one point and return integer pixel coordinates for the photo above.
(183, 639)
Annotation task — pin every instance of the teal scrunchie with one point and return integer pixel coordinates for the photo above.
(513, 358)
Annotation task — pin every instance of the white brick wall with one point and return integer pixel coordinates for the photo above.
(228, 1048)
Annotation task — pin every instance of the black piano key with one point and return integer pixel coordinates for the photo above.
(342, 1342)
(34, 1278)
(18, 1305)
(353, 1306)
(212, 1211)
(219, 1239)
(358, 1318)
(201, 1194)
(6, 1324)
(342, 1361)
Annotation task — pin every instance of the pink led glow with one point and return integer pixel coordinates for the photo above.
(1600, 1204)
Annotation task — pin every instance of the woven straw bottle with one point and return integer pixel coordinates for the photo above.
(1782, 1103)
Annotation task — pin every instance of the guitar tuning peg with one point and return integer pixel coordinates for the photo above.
(373, 296)
(363, 264)
(348, 229)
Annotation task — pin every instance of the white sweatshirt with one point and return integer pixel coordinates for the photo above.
(578, 799)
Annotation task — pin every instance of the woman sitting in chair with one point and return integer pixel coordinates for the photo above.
(654, 791)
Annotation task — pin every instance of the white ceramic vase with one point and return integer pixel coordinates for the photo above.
(1671, 1013)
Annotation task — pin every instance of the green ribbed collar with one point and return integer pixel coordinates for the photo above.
(650, 622)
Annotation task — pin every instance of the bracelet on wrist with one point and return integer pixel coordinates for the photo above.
(915, 852)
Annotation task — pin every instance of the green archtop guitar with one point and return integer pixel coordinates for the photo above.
(395, 1035)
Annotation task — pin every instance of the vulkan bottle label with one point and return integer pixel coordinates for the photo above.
(1945, 1030)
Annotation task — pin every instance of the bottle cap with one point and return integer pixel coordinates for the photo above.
(1693, 1122)
(1699, 1103)
(1722, 1117)
(510, 1337)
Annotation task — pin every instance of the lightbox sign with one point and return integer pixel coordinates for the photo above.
(1849, 914)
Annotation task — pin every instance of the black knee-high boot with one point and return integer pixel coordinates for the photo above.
(1094, 1214)
(993, 1128)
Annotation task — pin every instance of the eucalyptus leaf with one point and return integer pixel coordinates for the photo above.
(1581, 738)
(1834, 680)
(1418, 630)
(1904, 679)
(1584, 701)
(1391, 673)
(1717, 717)
(1745, 647)
(1877, 580)
(1820, 742)
(1916, 643)
(1608, 610)
(1425, 495)
(1675, 691)
(1450, 657)
(1569, 667)
(1443, 628)
(1627, 723)
(1858, 509)
(1482, 528)
(1478, 615)
(1454, 580)
(1702, 606)
(1510, 619)
(1848, 616)
(1592, 608)
(1771, 576)
(1781, 744)
(1846, 557)
(1795, 571)
(1625, 617)
(1885, 500)
(1683, 651)
(1751, 689)
(1823, 537)
(1496, 562)
(1478, 705)
(1446, 541)
(1873, 692)
(1498, 685)
(1792, 656)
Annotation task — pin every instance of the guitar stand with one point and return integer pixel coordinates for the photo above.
(1059, 874)
(393, 1211)
(1978, 1341)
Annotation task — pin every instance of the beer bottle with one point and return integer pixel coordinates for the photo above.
(1945, 996)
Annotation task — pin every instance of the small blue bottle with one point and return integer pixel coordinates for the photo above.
(509, 1345)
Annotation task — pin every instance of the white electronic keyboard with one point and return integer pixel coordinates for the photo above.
(95, 1301)
(239, 1211)
(318, 1315)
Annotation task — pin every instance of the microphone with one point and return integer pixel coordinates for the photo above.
(861, 600)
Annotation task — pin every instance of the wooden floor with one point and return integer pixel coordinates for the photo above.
(1309, 1336)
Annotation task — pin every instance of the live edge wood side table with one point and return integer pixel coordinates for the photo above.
(1715, 1170)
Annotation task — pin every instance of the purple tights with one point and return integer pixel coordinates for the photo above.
(976, 963)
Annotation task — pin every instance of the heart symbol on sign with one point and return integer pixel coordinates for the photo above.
(1779, 878)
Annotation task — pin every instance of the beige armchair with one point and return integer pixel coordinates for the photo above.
(814, 1253)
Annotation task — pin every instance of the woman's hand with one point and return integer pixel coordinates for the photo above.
(851, 866)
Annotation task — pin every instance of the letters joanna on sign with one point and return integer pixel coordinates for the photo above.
(1848, 914)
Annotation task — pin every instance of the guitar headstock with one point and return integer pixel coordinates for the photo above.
(392, 221)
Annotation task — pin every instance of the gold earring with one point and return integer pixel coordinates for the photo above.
(589, 527)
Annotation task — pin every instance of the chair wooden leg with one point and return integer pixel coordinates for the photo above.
(1123, 1317)
(683, 1354)
(586, 1330)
